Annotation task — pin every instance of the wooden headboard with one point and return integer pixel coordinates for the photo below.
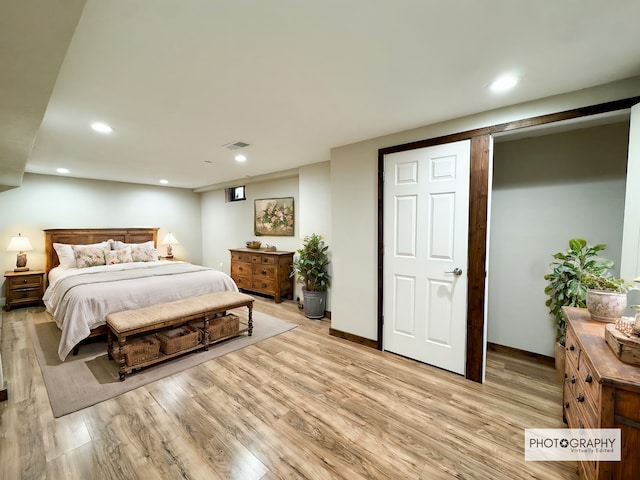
(85, 236)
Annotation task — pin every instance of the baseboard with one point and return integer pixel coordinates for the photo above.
(521, 353)
(354, 338)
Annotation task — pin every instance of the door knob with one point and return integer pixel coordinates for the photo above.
(456, 271)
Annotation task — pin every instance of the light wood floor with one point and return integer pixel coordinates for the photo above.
(299, 405)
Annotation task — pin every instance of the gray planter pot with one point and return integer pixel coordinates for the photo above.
(313, 303)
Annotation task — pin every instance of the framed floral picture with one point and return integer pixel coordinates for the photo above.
(274, 216)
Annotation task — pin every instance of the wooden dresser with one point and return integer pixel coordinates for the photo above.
(24, 288)
(600, 391)
(263, 272)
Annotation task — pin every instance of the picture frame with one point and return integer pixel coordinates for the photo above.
(274, 217)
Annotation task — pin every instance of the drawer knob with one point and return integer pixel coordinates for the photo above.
(573, 379)
(588, 378)
(24, 280)
(572, 348)
(264, 285)
(264, 272)
(580, 398)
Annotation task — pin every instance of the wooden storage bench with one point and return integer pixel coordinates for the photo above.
(129, 325)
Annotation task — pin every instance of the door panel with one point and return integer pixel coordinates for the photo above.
(426, 202)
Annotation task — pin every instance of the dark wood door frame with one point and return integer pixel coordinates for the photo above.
(478, 211)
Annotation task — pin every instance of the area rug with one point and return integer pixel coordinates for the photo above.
(90, 377)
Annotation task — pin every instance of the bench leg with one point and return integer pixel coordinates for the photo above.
(205, 336)
(121, 360)
(109, 344)
(250, 320)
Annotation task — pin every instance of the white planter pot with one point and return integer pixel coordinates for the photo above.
(606, 306)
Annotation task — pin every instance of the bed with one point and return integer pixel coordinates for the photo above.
(79, 299)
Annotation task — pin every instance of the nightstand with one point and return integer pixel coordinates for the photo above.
(24, 288)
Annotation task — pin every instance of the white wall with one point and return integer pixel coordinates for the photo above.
(58, 202)
(315, 211)
(354, 197)
(547, 190)
(228, 225)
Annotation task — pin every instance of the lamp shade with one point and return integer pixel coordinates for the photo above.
(169, 239)
(19, 244)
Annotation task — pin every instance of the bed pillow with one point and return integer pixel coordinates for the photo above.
(144, 253)
(66, 255)
(123, 255)
(118, 245)
(89, 256)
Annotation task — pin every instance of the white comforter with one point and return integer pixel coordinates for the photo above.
(80, 299)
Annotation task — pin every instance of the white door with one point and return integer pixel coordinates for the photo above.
(630, 258)
(426, 218)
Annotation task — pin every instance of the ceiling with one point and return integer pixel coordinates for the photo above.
(293, 79)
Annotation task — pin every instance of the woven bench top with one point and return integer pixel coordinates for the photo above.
(126, 320)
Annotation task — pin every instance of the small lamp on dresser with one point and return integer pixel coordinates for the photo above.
(21, 245)
(170, 240)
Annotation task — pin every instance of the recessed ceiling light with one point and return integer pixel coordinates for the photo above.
(101, 127)
(63, 170)
(164, 182)
(504, 83)
(240, 158)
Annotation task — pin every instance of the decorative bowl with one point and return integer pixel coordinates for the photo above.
(254, 244)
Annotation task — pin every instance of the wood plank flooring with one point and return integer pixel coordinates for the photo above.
(302, 405)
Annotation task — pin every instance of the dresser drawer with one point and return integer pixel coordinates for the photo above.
(242, 281)
(264, 259)
(240, 257)
(588, 382)
(264, 284)
(569, 406)
(241, 268)
(263, 271)
(26, 295)
(572, 347)
(25, 282)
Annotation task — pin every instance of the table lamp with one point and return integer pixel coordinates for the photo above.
(169, 240)
(20, 244)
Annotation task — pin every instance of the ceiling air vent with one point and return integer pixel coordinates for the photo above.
(236, 145)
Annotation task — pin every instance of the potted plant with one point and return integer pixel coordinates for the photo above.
(573, 272)
(311, 269)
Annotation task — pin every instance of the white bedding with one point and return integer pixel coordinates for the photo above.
(79, 299)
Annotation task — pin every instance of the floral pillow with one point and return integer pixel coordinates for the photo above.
(89, 256)
(144, 253)
(66, 255)
(118, 256)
